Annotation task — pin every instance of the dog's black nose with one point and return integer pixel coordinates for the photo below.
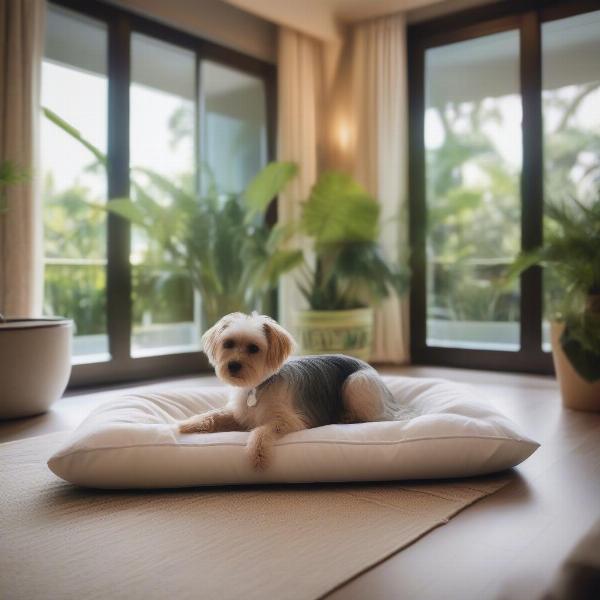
(234, 366)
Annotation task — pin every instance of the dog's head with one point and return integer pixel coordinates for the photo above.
(247, 349)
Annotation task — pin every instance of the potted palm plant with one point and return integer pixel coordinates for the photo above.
(345, 273)
(220, 241)
(571, 255)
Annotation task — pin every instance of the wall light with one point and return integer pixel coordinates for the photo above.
(344, 134)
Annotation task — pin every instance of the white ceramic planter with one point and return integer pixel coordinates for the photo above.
(35, 364)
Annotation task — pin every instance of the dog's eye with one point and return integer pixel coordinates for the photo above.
(253, 349)
(228, 344)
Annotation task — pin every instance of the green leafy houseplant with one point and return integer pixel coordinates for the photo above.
(221, 241)
(348, 269)
(344, 272)
(571, 255)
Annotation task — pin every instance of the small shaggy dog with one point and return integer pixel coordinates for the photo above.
(275, 397)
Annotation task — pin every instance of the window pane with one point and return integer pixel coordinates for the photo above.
(74, 86)
(571, 111)
(233, 150)
(162, 115)
(473, 167)
(234, 131)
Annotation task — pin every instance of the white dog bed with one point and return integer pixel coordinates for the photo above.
(442, 429)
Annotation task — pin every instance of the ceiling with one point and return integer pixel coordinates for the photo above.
(322, 18)
(358, 10)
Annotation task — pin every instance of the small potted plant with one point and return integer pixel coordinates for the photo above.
(35, 354)
(571, 255)
(345, 273)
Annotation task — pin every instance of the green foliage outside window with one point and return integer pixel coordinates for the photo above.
(217, 243)
(467, 266)
(468, 227)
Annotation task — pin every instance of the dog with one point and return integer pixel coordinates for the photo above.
(274, 396)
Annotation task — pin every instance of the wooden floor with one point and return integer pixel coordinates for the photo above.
(508, 545)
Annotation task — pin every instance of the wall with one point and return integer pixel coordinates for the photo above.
(312, 17)
(440, 9)
(213, 20)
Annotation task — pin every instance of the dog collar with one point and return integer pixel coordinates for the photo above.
(251, 400)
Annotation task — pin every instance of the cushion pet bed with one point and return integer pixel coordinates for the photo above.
(442, 429)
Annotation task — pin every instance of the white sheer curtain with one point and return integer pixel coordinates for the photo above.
(21, 50)
(300, 88)
(379, 91)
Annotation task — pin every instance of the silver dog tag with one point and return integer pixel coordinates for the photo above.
(252, 400)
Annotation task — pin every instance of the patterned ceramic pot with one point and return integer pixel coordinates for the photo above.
(35, 364)
(335, 332)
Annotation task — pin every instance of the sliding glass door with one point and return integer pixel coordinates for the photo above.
(160, 113)
(504, 116)
(162, 100)
(75, 87)
(473, 163)
(571, 115)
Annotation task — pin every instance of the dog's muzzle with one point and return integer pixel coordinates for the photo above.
(234, 367)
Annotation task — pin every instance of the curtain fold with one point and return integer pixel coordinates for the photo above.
(300, 89)
(21, 51)
(380, 99)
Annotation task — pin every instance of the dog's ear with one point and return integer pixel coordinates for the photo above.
(210, 339)
(280, 343)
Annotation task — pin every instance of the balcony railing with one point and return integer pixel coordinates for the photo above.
(75, 288)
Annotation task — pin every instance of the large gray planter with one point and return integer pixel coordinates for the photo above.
(35, 364)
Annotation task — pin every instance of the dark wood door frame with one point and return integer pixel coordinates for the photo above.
(121, 366)
(526, 16)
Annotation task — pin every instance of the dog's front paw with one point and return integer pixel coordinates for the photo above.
(197, 424)
(259, 451)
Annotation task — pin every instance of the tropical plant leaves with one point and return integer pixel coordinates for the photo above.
(362, 270)
(233, 258)
(340, 210)
(453, 204)
(571, 253)
(127, 209)
(571, 249)
(74, 133)
(268, 183)
(351, 272)
(280, 235)
(277, 264)
(230, 255)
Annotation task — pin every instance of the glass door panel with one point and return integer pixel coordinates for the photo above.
(162, 157)
(75, 88)
(571, 116)
(473, 158)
